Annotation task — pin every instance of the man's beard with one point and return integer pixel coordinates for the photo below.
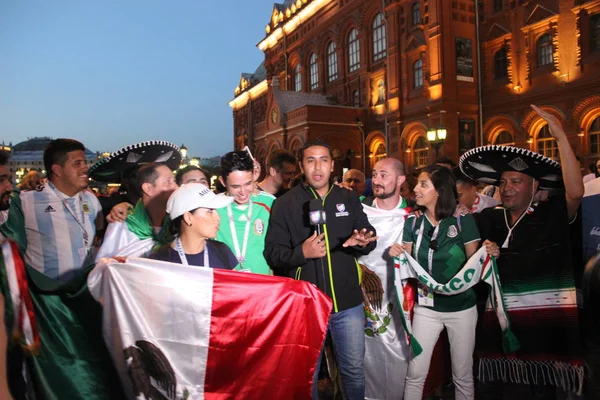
(384, 195)
(5, 201)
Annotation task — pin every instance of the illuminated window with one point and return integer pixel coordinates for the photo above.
(379, 38)
(504, 137)
(546, 144)
(314, 72)
(500, 64)
(594, 133)
(297, 78)
(418, 74)
(380, 153)
(544, 50)
(415, 12)
(353, 51)
(332, 64)
(420, 153)
(595, 26)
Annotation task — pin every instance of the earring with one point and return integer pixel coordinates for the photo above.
(189, 224)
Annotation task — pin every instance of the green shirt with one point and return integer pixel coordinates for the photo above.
(261, 210)
(448, 259)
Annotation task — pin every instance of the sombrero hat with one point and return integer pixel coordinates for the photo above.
(487, 163)
(113, 167)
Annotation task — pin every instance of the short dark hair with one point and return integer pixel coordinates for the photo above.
(236, 161)
(462, 178)
(317, 142)
(56, 153)
(446, 160)
(278, 157)
(145, 174)
(175, 225)
(181, 172)
(444, 183)
(4, 156)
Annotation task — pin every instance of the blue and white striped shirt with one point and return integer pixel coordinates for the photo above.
(55, 239)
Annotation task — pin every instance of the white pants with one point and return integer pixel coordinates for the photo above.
(427, 326)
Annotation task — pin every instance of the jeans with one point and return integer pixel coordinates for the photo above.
(427, 326)
(347, 331)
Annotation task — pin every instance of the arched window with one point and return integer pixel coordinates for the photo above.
(415, 12)
(332, 64)
(355, 98)
(353, 51)
(298, 78)
(594, 133)
(595, 33)
(546, 144)
(380, 153)
(500, 64)
(314, 72)
(420, 153)
(504, 137)
(544, 50)
(418, 74)
(379, 38)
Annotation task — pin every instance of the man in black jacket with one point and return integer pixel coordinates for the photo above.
(327, 260)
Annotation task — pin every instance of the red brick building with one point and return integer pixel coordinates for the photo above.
(372, 77)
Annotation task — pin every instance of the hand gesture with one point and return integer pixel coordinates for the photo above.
(118, 213)
(396, 250)
(361, 238)
(556, 128)
(314, 246)
(492, 248)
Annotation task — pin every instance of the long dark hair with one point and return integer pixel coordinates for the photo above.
(445, 184)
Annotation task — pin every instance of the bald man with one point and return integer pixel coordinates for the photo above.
(354, 180)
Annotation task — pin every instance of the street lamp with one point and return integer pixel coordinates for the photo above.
(436, 138)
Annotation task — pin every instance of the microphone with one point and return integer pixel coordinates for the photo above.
(316, 214)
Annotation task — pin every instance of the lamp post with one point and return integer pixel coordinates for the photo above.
(436, 138)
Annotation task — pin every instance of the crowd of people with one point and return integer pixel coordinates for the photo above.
(440, 217)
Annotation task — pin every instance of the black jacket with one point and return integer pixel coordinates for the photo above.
(338, 274)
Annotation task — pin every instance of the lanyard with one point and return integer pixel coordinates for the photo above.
(420, 239)
(183, 258)
(240, 256)
(81, 223)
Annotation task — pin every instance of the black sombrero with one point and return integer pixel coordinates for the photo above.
(487, 163)
(111, 168)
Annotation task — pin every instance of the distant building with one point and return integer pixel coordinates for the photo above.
(29, 155)
(371, 78)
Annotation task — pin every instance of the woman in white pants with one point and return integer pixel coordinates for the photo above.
(441, 243)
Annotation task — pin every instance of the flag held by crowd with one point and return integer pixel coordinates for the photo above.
(192, 333)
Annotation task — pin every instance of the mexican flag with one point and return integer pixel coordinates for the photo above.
(186, 332)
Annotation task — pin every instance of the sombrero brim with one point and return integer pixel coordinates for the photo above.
(487, 163)
(111, 168)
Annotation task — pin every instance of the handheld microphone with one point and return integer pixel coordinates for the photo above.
(316, 214)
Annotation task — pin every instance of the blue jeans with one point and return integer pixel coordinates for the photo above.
(347, 331)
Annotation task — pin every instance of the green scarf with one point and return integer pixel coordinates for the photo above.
(139, 223)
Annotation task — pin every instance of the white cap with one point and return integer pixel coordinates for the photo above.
(194, 195)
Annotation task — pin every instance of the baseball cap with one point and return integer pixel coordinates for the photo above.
(194, 195)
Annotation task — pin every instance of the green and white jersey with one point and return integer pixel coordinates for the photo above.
(248, 241)
(448, 258)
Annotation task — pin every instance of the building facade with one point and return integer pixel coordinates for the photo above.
(371, 78)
